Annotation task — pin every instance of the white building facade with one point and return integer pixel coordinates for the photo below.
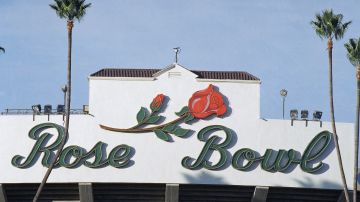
(180, 127)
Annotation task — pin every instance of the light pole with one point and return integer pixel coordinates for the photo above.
(64, 90)
(283, 94)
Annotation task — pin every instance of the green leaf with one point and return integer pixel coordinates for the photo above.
(180, 132)
(189, 118)
(169, 128)
(182, 111)
(153, 119)
(141, 115)
(162, 135)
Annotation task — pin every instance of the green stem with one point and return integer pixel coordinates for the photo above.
(142, 130)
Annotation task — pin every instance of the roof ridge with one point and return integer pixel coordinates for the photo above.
(131, 68)
(216, 71)
(149, 72)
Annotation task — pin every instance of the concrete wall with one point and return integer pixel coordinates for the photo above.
(111, 98)
(116, 102)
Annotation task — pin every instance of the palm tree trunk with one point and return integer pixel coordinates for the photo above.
(332, 116)
(67, 113)
(356, 135)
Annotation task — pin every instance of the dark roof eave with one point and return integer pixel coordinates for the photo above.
(148, 73)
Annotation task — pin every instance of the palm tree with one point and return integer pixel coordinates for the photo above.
(353, 54)
(69, 10)
(328, 26)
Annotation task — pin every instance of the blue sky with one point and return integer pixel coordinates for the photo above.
(271, 39)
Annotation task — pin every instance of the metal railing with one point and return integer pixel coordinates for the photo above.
(31, 112)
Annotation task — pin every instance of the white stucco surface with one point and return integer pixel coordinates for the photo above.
(115, 102)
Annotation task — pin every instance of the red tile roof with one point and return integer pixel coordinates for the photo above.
(226, 75)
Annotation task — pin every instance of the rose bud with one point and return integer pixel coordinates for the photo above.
(157, 102)
(206, 102)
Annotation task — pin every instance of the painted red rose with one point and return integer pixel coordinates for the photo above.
(206, 102)
(157, 102)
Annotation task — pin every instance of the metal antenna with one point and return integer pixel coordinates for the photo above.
(177, 51)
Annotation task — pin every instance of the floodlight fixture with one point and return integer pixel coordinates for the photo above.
(86, 109)
(47, 109)
(317, 115)
(304, 114)
(283, 92)
(60, 109)
(294, 114)
(36, 109)
(64, 88)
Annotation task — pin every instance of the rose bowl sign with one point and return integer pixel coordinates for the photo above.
(202, 104)
(174, 130)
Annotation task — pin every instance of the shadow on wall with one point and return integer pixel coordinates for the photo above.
(307, 182)
(204, 177)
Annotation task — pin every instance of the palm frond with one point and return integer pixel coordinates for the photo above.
(353, 51)
(329, 25)
(317, 25)
(344, 27)
(70, 9)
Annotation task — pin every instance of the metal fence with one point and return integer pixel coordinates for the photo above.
(31, 112)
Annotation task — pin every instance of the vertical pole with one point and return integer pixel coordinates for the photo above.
(172, 193)
(64, 89)
(177, 51)
(283, 94)
(2, 194)
(283, 108)
(64, 105)
(85, 192)
(260, 194)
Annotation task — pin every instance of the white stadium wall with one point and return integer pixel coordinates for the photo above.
(115, 102)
